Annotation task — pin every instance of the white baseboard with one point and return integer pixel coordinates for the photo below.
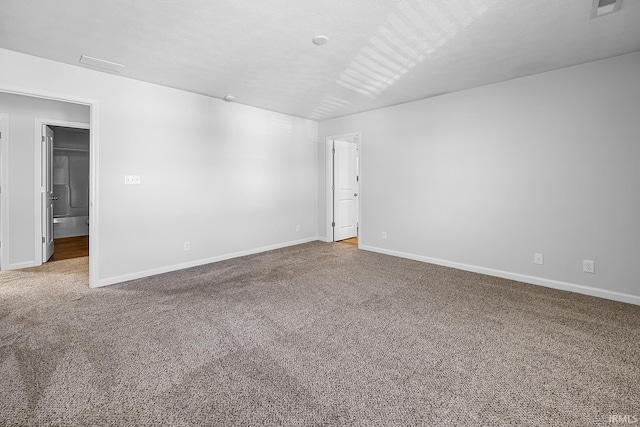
(555, 284)
(21, 265)
(182, 266)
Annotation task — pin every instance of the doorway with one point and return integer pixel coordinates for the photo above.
(66, 172)
(24, 107)
(64, 187)
(343, 190)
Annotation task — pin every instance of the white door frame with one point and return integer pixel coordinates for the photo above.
(329, 181)
(39, 220)
(4, 178)
(93, 175)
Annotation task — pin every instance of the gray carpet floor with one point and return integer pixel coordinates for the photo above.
(316, 334)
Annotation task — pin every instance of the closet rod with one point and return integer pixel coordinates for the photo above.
(71, 149)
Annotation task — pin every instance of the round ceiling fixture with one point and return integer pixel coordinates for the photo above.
(229, 97)
(320, 40)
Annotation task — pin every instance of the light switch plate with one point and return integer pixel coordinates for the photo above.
(132, 180)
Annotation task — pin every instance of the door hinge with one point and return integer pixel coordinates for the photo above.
(333, 150)
(43, 239)
(333, 188)
(357, 178)
(44, 138)
(333, 224)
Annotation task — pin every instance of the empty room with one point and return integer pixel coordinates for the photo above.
(319, 213)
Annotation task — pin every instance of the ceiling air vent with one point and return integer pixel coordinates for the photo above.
(102, 64)
(603, 7)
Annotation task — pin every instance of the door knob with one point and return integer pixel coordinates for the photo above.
(355, 194)
(54, 197)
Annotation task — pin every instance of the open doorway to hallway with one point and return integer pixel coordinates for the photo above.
(46, 183)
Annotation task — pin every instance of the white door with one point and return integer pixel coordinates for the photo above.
(345, 196)
(47, 193)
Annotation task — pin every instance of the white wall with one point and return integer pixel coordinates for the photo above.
(484, 178)
(228, 178)
(21, 196)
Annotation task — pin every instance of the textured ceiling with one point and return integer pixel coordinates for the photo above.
(380, 53)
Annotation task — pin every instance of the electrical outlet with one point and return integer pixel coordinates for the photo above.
(187, 246)
(297, 228)
(538, 258)
(132, 180)
(588, 266)
(384, 235)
